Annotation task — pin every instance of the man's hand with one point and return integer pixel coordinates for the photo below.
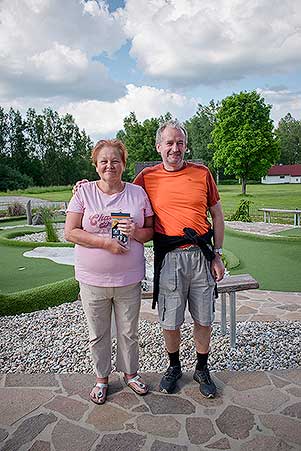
(114, 246)
(78, 184)
(127, 227)
(217, 268)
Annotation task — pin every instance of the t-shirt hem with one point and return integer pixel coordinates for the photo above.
(116, 282)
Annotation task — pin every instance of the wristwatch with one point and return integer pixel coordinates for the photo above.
(218, 250)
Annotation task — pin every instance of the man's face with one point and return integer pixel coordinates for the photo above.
(172, 148)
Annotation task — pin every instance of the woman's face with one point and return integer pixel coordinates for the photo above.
(109, 164)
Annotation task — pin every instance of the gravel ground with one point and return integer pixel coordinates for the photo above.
(56, 340)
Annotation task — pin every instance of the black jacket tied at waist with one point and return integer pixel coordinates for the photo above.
(165, 243)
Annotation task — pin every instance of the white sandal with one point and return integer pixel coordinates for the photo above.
(101, 396)
(139, 387)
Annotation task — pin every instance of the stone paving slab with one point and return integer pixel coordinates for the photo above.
(252, 411)
(252, 305)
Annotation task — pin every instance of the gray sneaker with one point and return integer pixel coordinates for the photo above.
(169, 380)
(207, 386)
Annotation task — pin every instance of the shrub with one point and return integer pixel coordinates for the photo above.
(47, 217)
(16, 209)
(243, 212)
(11, 178)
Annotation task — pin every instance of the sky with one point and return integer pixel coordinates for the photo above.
(100, 60)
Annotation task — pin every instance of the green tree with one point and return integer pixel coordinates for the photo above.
(3, 132)
(140, 140)
(243, 137)
(42, 149)
(199, 128)
(16, 143)
(289, 134)
(34, 130)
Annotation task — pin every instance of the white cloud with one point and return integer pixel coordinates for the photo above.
(189, 42)
(47, 48)
(60, 63)
(106, 118)
(283, 101)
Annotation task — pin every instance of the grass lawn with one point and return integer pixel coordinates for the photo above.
(286, 196)
(275, 263)
(291, 232)
(35, 272)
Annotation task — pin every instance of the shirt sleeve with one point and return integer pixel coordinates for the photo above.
(213, 194)
(76, 204)
(148, 211)
(139, 180)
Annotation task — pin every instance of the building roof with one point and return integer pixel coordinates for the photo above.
(293, 170)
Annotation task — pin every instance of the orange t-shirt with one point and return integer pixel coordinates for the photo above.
(179, 198)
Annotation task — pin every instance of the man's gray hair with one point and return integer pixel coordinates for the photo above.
(172, 123)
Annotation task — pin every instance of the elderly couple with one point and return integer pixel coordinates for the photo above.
(178, 195)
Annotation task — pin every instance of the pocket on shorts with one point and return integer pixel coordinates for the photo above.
(161, 307)
(168, 275)
(210, 278)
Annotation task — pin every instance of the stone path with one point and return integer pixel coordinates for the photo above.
(252, 305)
(253, 411)
(259, 228)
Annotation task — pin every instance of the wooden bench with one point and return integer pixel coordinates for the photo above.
(230, 285)
(267, 214)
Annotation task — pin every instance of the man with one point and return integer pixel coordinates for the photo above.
(181, 195)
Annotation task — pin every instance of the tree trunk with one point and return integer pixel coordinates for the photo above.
(243, 185)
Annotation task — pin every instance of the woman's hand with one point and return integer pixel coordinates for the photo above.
(114, 246)
(78, 185)
(127, 227)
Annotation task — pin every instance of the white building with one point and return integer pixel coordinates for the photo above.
(283, 173)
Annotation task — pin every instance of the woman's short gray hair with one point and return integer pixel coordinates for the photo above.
(172, 123)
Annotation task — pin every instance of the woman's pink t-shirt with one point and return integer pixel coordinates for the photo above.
(99, 267)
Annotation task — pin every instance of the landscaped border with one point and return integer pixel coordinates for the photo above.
(37, 298)
(6, 238)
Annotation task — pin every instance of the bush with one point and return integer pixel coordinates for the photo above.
(243, 212)
(47, 217)
(11, 179)
(16, 209)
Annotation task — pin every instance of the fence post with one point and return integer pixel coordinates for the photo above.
(29, 213)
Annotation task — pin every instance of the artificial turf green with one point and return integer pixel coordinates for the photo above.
(290, 232)
(12, 221)
(21, 273)
(39, 298)
(274, 262)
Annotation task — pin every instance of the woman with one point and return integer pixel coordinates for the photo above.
(110, 272)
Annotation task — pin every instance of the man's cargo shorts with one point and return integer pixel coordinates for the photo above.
(185, 276)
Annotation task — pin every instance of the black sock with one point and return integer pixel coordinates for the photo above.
(174, 358)
(202, 360)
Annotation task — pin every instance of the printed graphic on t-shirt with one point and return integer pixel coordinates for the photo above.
(101, 223)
